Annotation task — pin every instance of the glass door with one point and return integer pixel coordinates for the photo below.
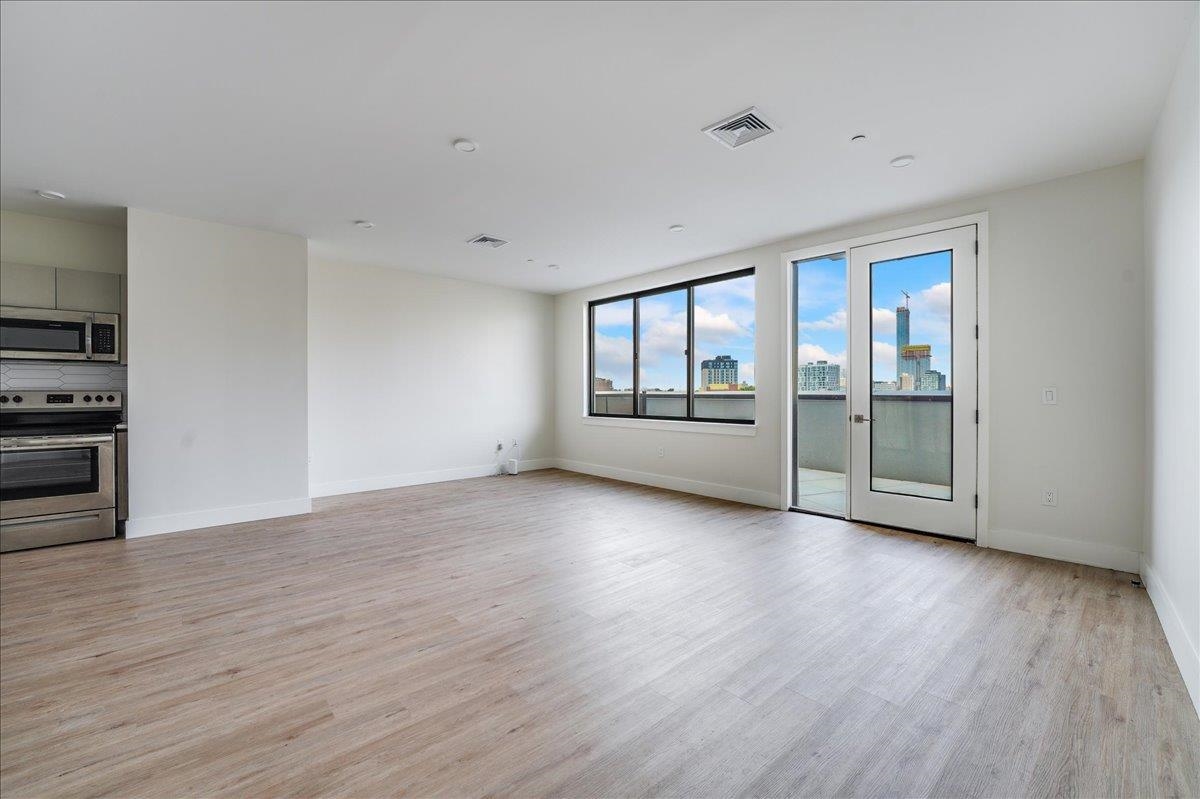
(819, 410)
(912, 402)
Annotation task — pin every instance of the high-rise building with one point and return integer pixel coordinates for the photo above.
(720, 370)
(901, 337)
(819, 376)
(914, 361)
(933, 380)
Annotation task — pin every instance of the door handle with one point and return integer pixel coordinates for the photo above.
(29, 444)
(859, 418)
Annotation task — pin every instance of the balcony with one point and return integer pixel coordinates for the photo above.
(910, 446)
(910, 453)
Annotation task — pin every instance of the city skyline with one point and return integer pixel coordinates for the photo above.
(821, 317)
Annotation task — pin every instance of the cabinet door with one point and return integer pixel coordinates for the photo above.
(88, 291)
(27, 286)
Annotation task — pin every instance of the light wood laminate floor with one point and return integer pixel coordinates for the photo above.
(556, 634)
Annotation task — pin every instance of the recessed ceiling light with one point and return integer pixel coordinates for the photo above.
(552, 266)
(676, 228)
(465, 145)
(46, 194)
(902, 160)
(858, 138)
(365, 224)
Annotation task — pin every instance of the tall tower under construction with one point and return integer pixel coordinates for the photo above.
(901, 336)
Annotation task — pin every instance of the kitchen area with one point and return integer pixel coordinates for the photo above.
(63, 384)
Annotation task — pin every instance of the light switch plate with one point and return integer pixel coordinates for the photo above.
(1049, 395)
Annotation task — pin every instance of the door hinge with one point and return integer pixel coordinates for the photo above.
(976, 332)
(976, 416)
(977, 500)
(977, 246)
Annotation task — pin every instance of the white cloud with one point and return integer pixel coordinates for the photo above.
(746, 372)
(653, 310)
(663, 337)
(614, 359)
(931, 315)
(835, 321)
(817, 287)
(718, 327)
(614, 313)
(883, 322)
(732, 298)
(811, 353)
(883, 360)
(936, 300)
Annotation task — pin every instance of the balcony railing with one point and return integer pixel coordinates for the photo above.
(733, 405)
(910, 434)
(911, 431)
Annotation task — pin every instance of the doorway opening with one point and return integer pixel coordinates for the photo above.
(884, 380)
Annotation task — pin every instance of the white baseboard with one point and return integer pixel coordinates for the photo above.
(746, 496)
(381, 482)
(1187, 655)
(1088, 553)
(194, 520)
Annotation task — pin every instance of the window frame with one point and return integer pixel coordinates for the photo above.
(690, 351)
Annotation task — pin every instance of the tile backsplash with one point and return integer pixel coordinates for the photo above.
(61, 374)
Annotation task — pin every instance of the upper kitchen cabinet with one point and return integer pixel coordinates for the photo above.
(26, 286)
(77, 290)
(32, 286)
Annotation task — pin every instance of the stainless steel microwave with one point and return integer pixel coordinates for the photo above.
(45, 334)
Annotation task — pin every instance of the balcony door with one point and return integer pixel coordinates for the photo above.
(885, 380)
(913, 382)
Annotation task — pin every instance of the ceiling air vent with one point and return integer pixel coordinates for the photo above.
(490, 242)
(740, 128)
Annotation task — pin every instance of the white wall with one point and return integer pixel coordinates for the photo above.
(49, 241)
(1171, 556)
(413, 378)
(1066, 310)
(218, 431)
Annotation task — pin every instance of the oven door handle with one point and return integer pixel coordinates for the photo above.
(57, 442)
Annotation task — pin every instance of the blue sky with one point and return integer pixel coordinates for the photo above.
(724, 326)
(821, 304)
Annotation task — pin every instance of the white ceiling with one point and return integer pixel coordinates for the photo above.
(304, 117)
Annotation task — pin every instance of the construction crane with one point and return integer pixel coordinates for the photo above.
(906, 297)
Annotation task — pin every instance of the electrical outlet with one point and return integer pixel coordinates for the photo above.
(661, 452)
(1050, 497)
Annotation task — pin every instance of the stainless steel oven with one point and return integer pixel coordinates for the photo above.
(58, 481)
(47, 334)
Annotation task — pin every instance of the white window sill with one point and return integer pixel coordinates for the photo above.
(712, 428)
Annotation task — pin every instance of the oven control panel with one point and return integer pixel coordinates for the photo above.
(36, 400)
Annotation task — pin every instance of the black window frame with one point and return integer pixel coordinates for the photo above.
(690, 351)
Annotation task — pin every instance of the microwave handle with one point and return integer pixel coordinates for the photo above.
(59, 442)
(87, 335)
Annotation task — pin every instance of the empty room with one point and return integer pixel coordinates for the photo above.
(599, 399)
